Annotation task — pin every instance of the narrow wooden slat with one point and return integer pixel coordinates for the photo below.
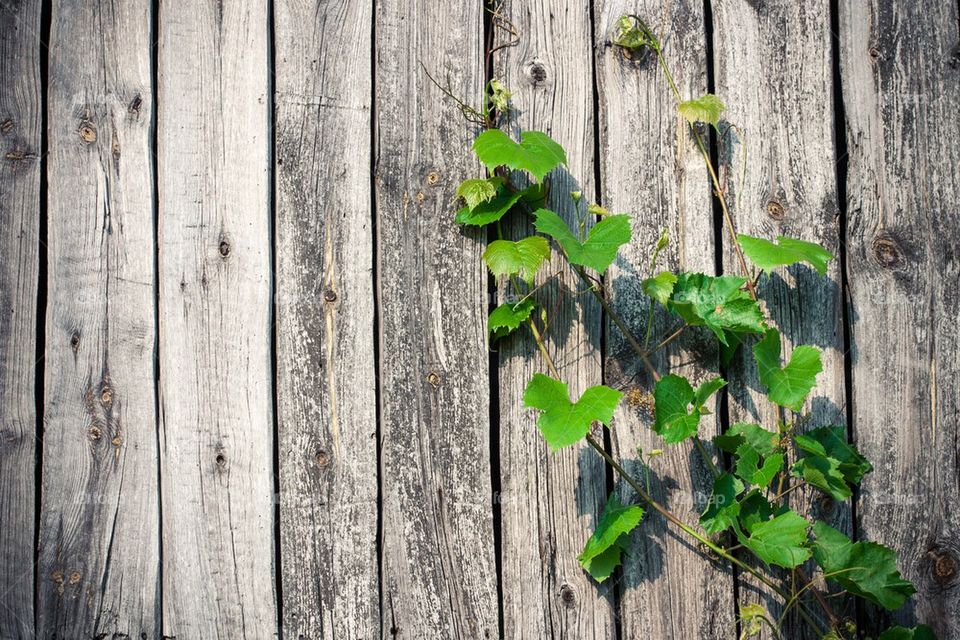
(779, 172)
(652, 169)
(215, 272)
(20, 122)
(325, 351)
(550, 502)
(900, 65)
(438, 569)
(99, 523)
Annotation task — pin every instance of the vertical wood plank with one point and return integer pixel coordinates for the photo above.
(20, 123)
(438, 570)
(777, 164)
(900, 65)
(99, 523)
(215, 288)
(652, 168)
(550, 501)
(325, 353)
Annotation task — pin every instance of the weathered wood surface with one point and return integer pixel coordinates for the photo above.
(20, 146)
(99, 520)
(551, 501)
(326, 378)
(777, 167)
(438, 569)
(900, 65)
(652, 169)
(216, 435)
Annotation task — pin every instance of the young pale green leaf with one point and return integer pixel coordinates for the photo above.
(752, 618)
(508, 317)
(660, 286)
(596, 210)
(499, 96)
(674, 419)
(919, 632)
(490, 211)
(603, 240)
(720, 303)
(786, 386)
(707, 108)
(523, 257)
(865, 569)
(631, 34)
(563, 422)
(476, 191)
(756, 451)
(536, 153)
(780, 540)
(723, 508)
(769, 256)
(601, 555)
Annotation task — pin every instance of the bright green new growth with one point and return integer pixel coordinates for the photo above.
(757, 454)
(781, 541)
(476, 191)
(678, 407)
(536, 153)
(600, 248)
(769, 256)
(562, 422)
(719, 303)
(490, 211)
(790, 385)
(707, 108)
(508, 317)
(523, 257)
(601, 555)
(660, 287)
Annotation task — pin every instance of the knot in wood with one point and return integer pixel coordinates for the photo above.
(433, 178)
(87, 132)
(7, 126)
(330, 295)
(944, 566)
(887, 253)
(321, 458)
(106, 396)
(775, 210)
(75, 341)
(75, 577)
(536, 73)
(224, 249)
(568, 596)
(94, 433)
(117, 440)
(433, 379)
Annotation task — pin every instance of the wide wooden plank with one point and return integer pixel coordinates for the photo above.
(99, 522)
(900, 63)
(438, 569)
(651, 168)
(20, 122)
(779, 174)
(326, 380)
(215, 334)
(550, 501)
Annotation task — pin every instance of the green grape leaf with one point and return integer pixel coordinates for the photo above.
(832, 442)
(603, 240)
(919, 632)
(476, 191)
(500, 96)
(758, 459)
(787, 386)
(824, 474)
(769, 256)
(752, 618)
(523, 257)
(780, 540)
(754, 509)
(508, 317)
(630, 34)
(723, 508)
(601, 555)
(674, 419)
(490, 211)
(707, 108)
(660, 287)
(865, 569)
(719, 303)
(536, 153)
(562, 422)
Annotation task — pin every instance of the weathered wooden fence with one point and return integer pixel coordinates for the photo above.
(244, 381)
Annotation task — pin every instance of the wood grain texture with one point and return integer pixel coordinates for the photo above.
(20, 143)
(326, 379)
(215, 334)
(551, 501)
(903, 201)
(777, 166)
(652, 169)
(99, 521)
(438, 568)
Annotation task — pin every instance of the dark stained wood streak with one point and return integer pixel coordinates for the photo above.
(20, 122)
(99, 521)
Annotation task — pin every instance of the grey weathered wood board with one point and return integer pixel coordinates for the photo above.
(777, 167)
(99, 520)
(438, 569)
(900, 65)
(551, 500)
(326, 378)
(20, 146)
(652, 169)
(216, 430)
